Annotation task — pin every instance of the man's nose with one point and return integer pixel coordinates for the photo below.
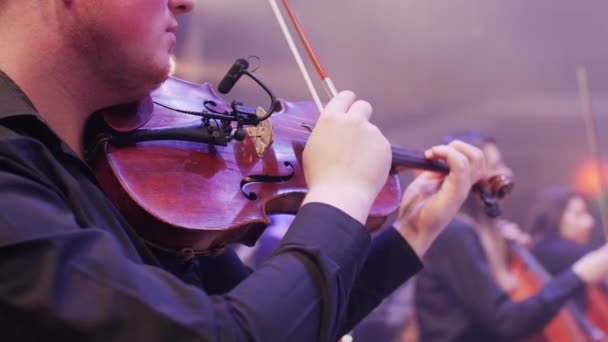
(181, 6)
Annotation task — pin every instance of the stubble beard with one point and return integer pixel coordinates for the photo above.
(122, 73)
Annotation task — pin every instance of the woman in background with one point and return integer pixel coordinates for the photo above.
(561, 227)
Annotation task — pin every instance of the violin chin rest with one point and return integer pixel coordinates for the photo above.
(129, 117)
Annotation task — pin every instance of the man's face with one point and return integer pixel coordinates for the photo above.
(127, 43)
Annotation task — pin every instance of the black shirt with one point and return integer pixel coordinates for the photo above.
(71, 268)
(457, 298)
(557, 254)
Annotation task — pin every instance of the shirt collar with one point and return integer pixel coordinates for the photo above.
(17, 108)
(13, 101)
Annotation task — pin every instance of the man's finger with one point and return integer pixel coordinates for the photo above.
(340, 103)
(362, 108)
(454, 158)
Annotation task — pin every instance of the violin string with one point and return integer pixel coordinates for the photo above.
(397, 151)
(296, 54)
(590, 127)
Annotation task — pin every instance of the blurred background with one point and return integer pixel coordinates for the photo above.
(433, 67)
(430, 68)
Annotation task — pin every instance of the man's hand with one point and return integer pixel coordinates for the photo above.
(346, 159)
(432, 199)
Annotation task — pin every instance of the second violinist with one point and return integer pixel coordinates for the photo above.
(464, 292)
(562, 229)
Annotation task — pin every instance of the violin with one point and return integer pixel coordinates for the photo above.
(193, 173)
(193, 180)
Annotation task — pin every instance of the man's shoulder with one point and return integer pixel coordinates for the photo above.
(6, 132)
(23, 154)
(17, 145)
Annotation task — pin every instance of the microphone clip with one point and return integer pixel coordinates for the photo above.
(239, 68)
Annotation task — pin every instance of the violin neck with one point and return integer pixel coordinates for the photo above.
(415, 159)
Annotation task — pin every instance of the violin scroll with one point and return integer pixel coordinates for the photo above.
(500, 185)
(492, 190)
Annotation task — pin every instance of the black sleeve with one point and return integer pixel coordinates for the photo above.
(216, 274)
(457, 256)
(557, 255)
(222, 273)
(390, 263)
(57, 279)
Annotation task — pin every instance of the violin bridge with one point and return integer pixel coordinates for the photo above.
(261, 135)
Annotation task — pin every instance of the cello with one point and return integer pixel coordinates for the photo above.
(597, 308)
(571, 323)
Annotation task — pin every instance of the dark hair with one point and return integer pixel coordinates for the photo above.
(549, 207)
(475, 137)
(472, 206)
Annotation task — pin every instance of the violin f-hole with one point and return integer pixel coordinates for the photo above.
(265, 179)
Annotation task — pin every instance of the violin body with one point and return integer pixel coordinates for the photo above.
(189, 195)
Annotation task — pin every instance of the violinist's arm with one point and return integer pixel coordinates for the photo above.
(428, 204)
(556, 254)
(229, 266)
(390, 263)
(214, 274)
(58, 278)
(458, 255)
